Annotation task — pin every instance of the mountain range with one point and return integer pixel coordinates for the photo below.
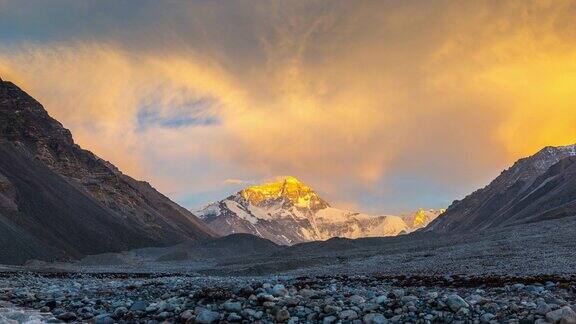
(60, 201)
(287, 211)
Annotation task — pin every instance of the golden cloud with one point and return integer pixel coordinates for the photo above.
(343, 97)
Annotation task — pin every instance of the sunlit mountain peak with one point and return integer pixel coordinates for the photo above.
(424, 216)
(420, 217)
(293, 190)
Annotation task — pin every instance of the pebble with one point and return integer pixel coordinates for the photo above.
(374, 318)
(369, 307)
(382, 299)
(332, 309)
(233, 317)
(282, 315)
(139, 306)
(456, 302)
(263, 297)
(348, 314)
(487, 317)
(120, 311)
(279, 290)
(307, 293)
(231, 306)
(103, 319)
(542, 308)
(564, 315)
(66, 316)
(206, 316)
(186, 315)
(356, 299)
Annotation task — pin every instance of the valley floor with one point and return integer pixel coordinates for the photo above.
(543, 248)
(517, 274)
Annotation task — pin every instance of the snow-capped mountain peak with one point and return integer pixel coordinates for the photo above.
(422, 217)
(287, 211)
(289, 189)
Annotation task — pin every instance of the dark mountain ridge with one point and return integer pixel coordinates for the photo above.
(58, 200)
(538, 187)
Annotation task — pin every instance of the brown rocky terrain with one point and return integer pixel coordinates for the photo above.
(58, 200)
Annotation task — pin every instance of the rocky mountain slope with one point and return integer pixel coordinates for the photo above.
(535, 188)
(60, 201)
(287, 212)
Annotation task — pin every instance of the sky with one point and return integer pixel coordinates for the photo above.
(380, 106)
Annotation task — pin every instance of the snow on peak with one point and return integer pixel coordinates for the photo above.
(287, 211)
(293, 190)
(422, 217)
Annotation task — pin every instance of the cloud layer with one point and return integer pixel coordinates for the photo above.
(382, 105)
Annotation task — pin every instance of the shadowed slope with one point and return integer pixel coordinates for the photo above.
(539, 187)
(58, 200)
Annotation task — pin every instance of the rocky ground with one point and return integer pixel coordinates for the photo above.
(522, 274)
(331, 299)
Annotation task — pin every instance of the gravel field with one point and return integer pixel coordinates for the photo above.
(332, 299)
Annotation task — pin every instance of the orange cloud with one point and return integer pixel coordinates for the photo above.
(342, 94)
